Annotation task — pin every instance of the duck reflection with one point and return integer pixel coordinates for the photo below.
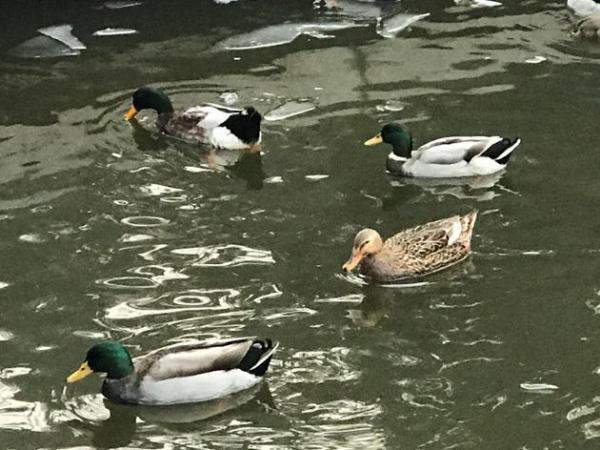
(249, 168)
(145, 140)
(480, 189)
(120, 428)
(379, 300)
(244, 165)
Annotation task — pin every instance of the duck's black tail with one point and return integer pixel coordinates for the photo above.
(257, 359)
(500, 151)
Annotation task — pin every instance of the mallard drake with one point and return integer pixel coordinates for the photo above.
(219, 126)
(186, 373)
(588, 27)
(448, 157)
(415, 252)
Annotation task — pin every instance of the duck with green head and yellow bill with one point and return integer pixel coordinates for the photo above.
(415, 252)
(185, 373)
(448, 157)
(219, 126)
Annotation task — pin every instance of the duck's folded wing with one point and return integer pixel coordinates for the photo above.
(452, 150)
(194, 359)
(428, 238)
(207, 116)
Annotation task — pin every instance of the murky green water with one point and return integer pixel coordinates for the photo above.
(110, 230)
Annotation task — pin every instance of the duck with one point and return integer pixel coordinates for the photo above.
(219, 126)
(588, 27)
(584, 7)
(183, 373)
(447, 157)
(415, 252)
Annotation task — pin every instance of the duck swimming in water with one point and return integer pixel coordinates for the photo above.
(185, 373)
(220, 127)
(415, 252)
(448, 157)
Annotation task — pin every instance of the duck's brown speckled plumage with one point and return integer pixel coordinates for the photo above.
(183, 124)
(421, 250)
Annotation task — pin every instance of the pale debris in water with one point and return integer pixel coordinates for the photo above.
(42, 47)
(135, 237)
(158, 189)
(115, 32)
(580, 411)
(62, 33)
(391, 26)
(229, 98)
(583, 7)
(538, 387)
(316, 177)
(4, 285)
(121, 5)
(32, 238)
(282, 34)
(536, 60)
(289, 109)
(477, 3)
(194, 169)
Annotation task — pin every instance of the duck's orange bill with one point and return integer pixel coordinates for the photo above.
(131, 113)
(83, 371)
(374, 140)
(352, 262)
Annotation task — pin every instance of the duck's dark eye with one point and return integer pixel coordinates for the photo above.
(363, 244)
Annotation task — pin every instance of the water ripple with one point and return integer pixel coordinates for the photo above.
(229, 255)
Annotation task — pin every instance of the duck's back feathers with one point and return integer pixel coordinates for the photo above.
(423, 249)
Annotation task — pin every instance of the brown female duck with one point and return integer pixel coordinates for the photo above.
(415, 252)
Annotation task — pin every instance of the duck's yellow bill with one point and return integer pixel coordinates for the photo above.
(131, 113)
(83, 371)
(352, 262)
(374, 140)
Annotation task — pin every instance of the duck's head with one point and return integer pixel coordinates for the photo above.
(149, 98)
(367, 242)
(245, 125)
(107, 357)
(397, 135)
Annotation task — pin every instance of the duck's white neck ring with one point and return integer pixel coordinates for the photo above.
(395, 157)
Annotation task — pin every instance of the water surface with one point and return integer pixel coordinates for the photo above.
(111, 230)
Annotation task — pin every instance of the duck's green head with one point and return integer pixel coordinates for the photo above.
(149, 98)
(107, 357)
(397, 135)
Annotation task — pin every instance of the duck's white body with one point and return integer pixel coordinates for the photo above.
(196, 388)
(456, 156)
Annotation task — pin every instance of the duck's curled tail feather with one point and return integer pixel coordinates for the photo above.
(257, 359)
(501, 150)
